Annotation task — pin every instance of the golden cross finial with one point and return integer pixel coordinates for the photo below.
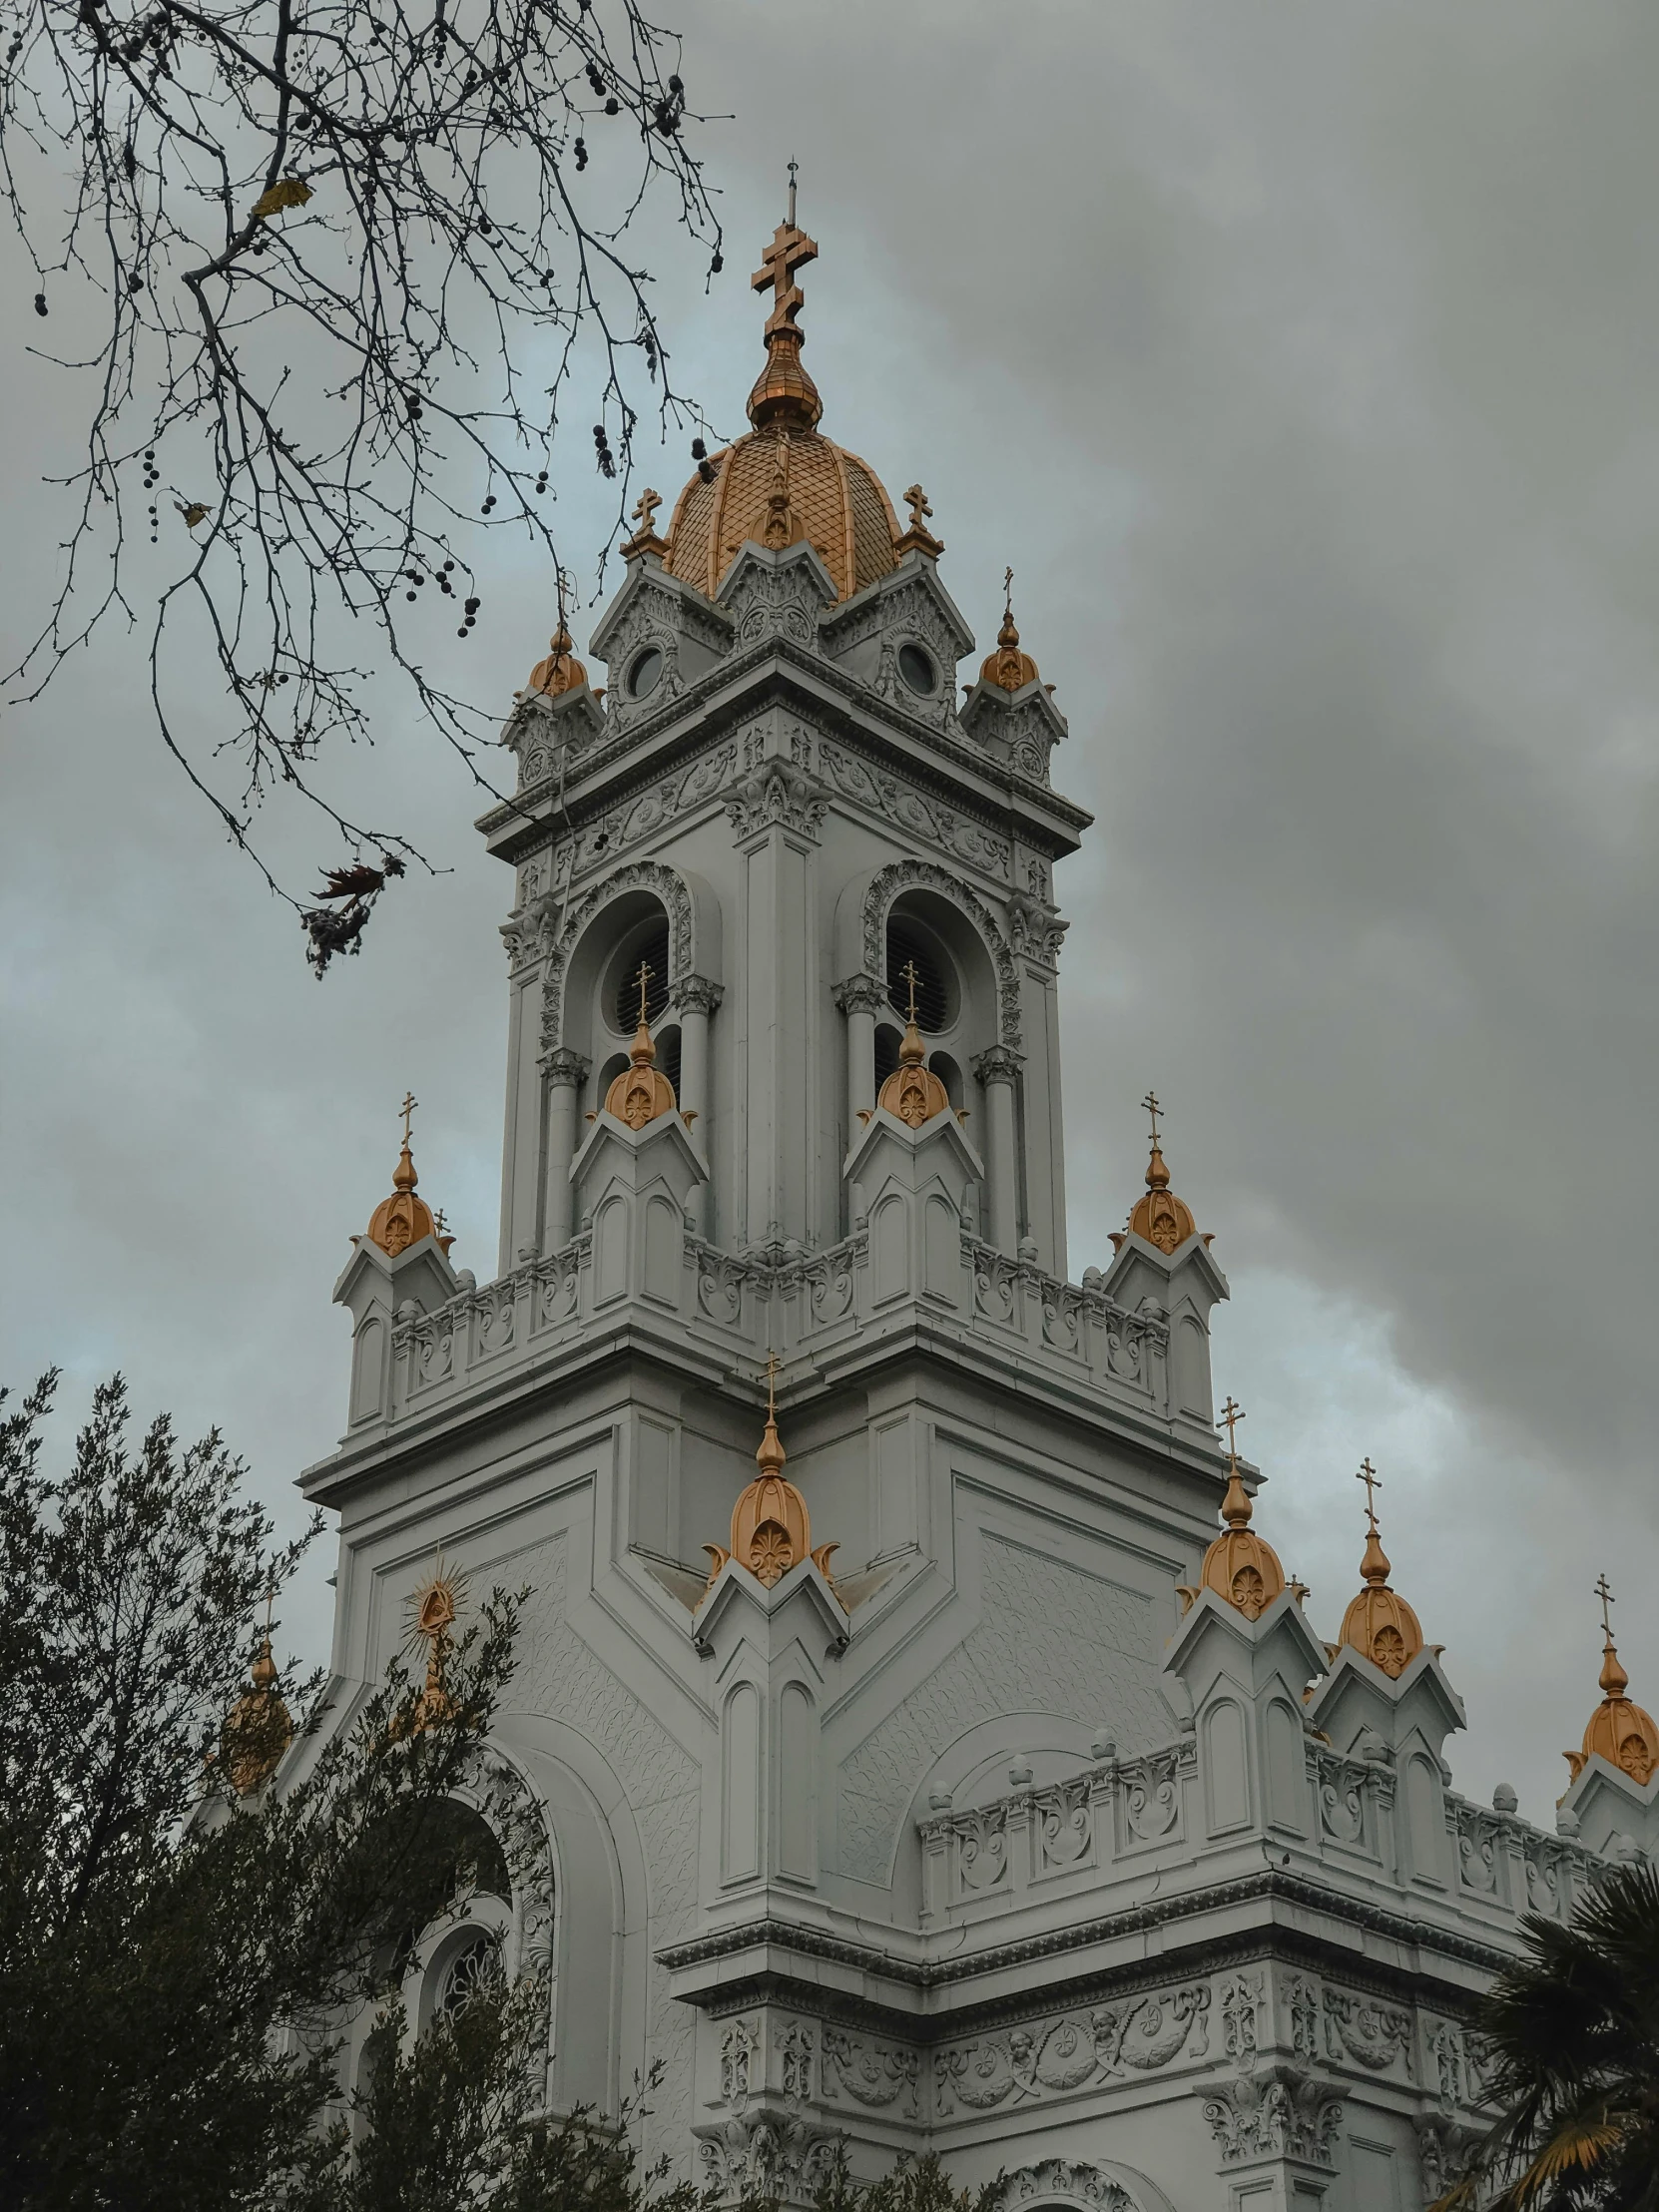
(1607, 1598)
(916, 500)
(645, 510)
(439, 1222)
(1150, 1102)
(909, 974)
(1366, 1475)
(644, 977)
(1008, 595)
(789, 250)
(410, 1102)
(774, 1369)
(1231, 1415)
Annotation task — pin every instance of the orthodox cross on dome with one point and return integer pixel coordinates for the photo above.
(1231, 1416)
(647, 972)
(1367, 1474)
(790, 249)
(1150, 1102)
(916, 500)
(410, 1102)
(1008, 595)
(919, 538)
(909, 974)
(644, 510)
(1607, 1598)
(774, 1365)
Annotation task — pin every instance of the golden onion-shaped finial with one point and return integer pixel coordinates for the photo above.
(1378, 1622)
(1008, 668)
(913, 1093)
(770, 1528)
(1619, 1730)
(1164, 1220)
(405, 1218)
(783, 393)
(561, 671)
(1238, 1565)
(642, 1091)
(258, 1729)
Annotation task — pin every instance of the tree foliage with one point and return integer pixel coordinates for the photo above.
(333, 274)
(1572, 2033)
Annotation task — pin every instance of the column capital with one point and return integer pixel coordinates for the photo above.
(564, 1066)
(696, 994)
(998, 1063)
(861, 994)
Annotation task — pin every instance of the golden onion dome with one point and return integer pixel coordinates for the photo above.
(1619, 1731)
(783, 484)
(405, 1218)
(642, 1091)
(1160, 1217)
(1008, 668)
(257, 1729)
(913, 1093)
(771, 1530)
(560, 671)
(1238, 1565)
(1378, 1622)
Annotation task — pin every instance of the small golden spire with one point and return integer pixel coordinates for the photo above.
(919, 538)
(1379, 1623)
(642, 1091)
(1164, 1220)
(645, 538)
(770, 1528)
(1008, 668)
(1620, 1731)
(259, 1728)
(783, 393)
(1238, 1565)
(913, 1093)
(405, 1218)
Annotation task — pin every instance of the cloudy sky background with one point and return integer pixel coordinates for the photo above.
(1302, 361)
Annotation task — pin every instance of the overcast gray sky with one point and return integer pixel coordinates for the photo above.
(1302, 361)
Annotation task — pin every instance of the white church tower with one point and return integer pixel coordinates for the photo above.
(955, 1783)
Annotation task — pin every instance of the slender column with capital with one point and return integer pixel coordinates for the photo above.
(565, 1073)
(999, 1070)
(696, 998)
(860, 998)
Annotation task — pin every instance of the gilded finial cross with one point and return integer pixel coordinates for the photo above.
(1366, 1475)
(1150, 1102)
(916, 500)
(1231, 1415)
(647, 972)
(645, 511)
(1008, 595)
(1607, 1598)
(908, 973)
(773, 1369)
(410, 1102)
(789, 250)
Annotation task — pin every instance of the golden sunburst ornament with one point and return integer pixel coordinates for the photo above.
(434, 1606)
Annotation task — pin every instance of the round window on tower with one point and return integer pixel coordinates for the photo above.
(917, 670)
(911, 945)
(645, 672)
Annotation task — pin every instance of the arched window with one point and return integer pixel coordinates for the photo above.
(647, 941)
(886, 1052)
(911, 943)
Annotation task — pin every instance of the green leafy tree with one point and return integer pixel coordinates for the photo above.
(912, 2185)
(1572, 2030)
(179, 1960)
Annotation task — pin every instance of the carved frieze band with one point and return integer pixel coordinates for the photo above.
(1058, 2058)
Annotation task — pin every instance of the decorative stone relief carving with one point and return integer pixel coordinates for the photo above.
(767, 2156)
(1281, 2113)
(1479, 1839)
(1151, 1792)
(872, 2074)
(778, 793)
(1304, 2018)
(795, 2052)
(1057, 2177)
(1034, 931)
(1445, 2048)
(1444, 2150)
(898, 803)
(775, 603)
(1372, 2035)
(736, 2052)
(902, 876)
(667, 800)
(1054, 2057)
(1241, 1996)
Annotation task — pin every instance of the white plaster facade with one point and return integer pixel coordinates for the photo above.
(981, 1847)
